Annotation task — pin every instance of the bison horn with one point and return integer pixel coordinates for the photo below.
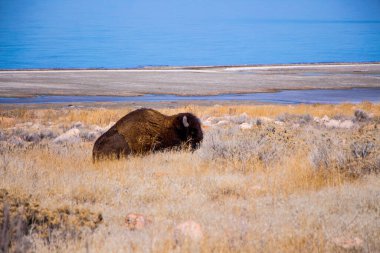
(184, 121)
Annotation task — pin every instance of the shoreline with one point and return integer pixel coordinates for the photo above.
(283, 97)
(189, 80)
(188, 95)
(200, 67)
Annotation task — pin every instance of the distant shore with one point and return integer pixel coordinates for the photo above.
(201, 67)
(189, 80)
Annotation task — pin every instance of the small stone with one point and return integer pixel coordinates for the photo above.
(222, 123)
(70, 136)
(136, 221)
(265, 119)
(280, 123)
(77, 124)
(188, 230)
(348, 242)
(325, 118)
(333, 123)
(346, 124)
(245, 125)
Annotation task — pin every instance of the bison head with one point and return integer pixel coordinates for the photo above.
(189, 129)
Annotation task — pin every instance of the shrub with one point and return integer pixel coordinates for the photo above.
(235, 145)
(362, 149)
(361, 115)
(295, 118)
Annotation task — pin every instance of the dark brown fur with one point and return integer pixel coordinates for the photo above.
(145, 130)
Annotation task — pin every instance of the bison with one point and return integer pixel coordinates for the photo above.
(145, 130)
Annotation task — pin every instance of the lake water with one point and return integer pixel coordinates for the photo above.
(356, 95)
(125, 34)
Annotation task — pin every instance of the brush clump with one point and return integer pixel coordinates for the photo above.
(21, 215)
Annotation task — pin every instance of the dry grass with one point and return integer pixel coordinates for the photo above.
(289, 187)
(103, 116)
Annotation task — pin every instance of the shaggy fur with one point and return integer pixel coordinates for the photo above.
(145, 130)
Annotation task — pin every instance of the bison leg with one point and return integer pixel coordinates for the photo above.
(111, 144)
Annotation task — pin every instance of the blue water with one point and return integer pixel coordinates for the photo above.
(125, 34)
(356, 95)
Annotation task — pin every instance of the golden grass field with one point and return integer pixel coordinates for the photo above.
(293, 181)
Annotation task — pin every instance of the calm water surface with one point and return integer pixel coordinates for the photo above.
(282, 97)
(123, 34)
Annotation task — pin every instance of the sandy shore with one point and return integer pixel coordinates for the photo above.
(198, 80)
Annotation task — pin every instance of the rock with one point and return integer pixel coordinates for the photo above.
(188, 230)
(333, 123)
(265, 119)
(346, 124)
(222, 123)
(136, 221)
(348, 243)
(245, 125)
(77, 125)
(325, 118)
(213, 120)
(280, 123)
(71, 135)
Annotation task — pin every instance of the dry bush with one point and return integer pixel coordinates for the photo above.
(353, 153)
(234, 145)
(361, 115)
(20, 216)
(294, 118)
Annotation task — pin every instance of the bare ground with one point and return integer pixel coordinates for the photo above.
(188, 80)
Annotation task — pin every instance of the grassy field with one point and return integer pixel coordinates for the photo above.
(267, 178)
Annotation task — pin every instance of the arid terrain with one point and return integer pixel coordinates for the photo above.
(267, 178)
